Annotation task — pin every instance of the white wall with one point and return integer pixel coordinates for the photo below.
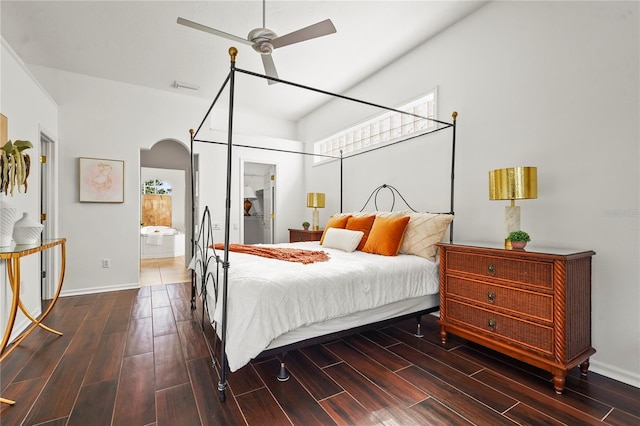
(548, 84)
(106, 119)
(290, 195)
(29, 111)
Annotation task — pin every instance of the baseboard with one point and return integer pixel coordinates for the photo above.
(615, 373)
(105, 289)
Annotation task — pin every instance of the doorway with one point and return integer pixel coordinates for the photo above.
(174, 158)
(259, 201)
(162, 216)
(49, 259)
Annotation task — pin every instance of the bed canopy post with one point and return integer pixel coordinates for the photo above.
(193, 220)
(454, 116)
(340, 181)
(222, 384)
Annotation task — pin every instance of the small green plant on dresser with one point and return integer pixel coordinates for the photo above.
(519, 236)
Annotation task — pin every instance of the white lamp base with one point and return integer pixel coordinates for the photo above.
(511, 219)
(511, 223)
(316, 220)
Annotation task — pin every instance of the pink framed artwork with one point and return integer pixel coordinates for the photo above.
(101, 181)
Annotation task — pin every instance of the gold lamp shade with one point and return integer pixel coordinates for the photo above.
(513, 183)
(315, 199)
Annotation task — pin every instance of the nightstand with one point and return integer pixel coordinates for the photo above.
(533, 305)
(296, 235)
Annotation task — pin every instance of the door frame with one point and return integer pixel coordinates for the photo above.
(241, 181)
(49, 259)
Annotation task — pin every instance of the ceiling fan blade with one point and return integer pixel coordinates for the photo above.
(320, 29)
(269, 68)
(210, 30)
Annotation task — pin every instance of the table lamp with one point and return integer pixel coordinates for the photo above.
(514, 183)
(315, 200)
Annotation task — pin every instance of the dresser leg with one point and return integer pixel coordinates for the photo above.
(584, 367)
(558, 381)
(443, 335)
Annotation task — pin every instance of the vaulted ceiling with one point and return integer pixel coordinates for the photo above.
(140, 42)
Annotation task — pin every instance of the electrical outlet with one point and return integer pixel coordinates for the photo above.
(106, 263)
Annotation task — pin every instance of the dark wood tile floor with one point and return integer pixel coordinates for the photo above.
(138, 357)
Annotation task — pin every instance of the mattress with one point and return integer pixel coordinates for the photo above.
(273, 302)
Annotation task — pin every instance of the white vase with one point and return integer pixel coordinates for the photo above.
(7, 218)
(27, 230)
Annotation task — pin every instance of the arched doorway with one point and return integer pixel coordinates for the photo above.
(173, 157)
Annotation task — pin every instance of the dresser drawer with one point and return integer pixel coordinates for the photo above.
(519, 332)
(298, 235)
(516, 270)
(537, 305)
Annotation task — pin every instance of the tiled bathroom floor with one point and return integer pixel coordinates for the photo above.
(163, 271)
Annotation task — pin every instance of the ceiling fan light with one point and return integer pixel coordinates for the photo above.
(263, 47)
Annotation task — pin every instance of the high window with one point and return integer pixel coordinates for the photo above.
(382, 129)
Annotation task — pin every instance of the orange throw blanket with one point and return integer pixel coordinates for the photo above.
(287, 254)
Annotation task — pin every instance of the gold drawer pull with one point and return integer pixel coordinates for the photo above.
(492, 269)
(492, 324)
(491, 296)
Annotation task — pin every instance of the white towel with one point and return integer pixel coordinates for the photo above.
(154, 239)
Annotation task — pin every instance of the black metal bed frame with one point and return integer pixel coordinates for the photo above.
(205, 232)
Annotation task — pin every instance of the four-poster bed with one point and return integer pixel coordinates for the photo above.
(264, 306)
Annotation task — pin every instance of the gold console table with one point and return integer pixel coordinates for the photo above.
(12, 255)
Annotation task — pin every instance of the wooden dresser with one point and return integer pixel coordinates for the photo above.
(533, 305)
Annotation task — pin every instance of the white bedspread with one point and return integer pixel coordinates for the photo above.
(268, 297)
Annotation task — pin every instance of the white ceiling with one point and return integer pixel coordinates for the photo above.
(139, 42)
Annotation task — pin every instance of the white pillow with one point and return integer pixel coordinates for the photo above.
(342, 239)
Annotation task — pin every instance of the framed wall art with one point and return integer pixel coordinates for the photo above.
(101, 181)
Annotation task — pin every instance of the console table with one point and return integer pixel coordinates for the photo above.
(11, 256)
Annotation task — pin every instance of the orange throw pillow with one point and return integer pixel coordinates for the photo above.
(386, 235)
(335, 222)
(363, 224)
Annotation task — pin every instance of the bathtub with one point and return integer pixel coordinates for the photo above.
(160, 241)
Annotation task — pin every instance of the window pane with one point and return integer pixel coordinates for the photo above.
(375, 132)
(396, 123)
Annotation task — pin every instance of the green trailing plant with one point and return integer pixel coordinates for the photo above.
(14, 166)
(520, 236)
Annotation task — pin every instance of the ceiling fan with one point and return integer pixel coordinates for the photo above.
(264, 40)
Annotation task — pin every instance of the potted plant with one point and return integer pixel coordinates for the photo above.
(306, 225)
(518, 239)
(14, 166)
